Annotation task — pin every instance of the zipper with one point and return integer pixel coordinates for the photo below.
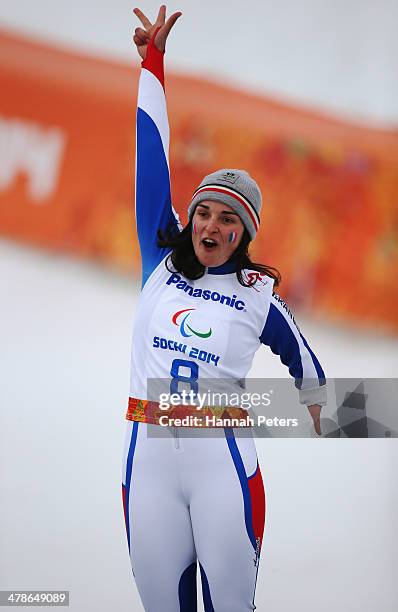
(176, 436)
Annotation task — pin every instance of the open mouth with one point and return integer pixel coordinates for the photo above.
(209, 244)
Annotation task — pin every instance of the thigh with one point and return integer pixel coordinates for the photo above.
(228, 513)
(158, 524)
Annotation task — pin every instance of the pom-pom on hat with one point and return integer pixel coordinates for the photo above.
(237, 189)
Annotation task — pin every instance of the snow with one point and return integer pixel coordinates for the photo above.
(65, 333)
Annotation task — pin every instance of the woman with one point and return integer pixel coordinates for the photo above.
(204, 310)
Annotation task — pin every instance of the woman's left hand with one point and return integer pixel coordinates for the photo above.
(315, 412)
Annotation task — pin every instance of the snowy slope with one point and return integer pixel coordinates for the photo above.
(65, 339)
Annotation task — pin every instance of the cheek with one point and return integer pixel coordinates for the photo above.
(232, 237)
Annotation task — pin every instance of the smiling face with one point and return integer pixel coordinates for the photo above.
(216, 232)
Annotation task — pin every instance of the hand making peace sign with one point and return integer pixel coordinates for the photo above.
(142, 36)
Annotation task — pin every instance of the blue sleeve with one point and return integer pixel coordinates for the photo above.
(153, 208)
(284, 338)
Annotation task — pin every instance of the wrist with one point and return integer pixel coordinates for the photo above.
(154, 59)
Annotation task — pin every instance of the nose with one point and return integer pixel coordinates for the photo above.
(212, 224)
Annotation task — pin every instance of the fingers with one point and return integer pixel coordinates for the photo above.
(315, 412)
(161, 36)
(161, 15)
(141, 34)
(171, 21)
(139, 41)
(143, 18)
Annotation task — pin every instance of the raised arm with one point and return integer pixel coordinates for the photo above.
(153, 206)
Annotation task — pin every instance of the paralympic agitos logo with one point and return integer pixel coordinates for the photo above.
(181, 318)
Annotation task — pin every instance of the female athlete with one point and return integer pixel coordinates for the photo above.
(194, 497)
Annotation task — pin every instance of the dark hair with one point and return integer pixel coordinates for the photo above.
(185, 261)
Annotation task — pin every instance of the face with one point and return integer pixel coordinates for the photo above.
(216, 232)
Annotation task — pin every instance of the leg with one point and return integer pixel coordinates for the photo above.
(158, 524)
(228, 513)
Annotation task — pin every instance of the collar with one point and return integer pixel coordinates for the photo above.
(226, 268)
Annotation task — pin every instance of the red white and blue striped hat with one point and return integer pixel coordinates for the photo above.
(237, 189)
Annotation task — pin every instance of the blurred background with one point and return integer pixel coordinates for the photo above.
(305, 97)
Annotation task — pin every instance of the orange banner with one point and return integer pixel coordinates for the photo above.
(329, 222)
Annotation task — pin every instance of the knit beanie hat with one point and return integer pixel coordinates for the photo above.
(237, 189)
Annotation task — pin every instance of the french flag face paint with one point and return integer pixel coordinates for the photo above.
(232, 237)
(194, 228)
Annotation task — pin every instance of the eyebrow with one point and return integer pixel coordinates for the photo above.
(223, 212)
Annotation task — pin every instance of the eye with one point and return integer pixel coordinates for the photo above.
(228, 220)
